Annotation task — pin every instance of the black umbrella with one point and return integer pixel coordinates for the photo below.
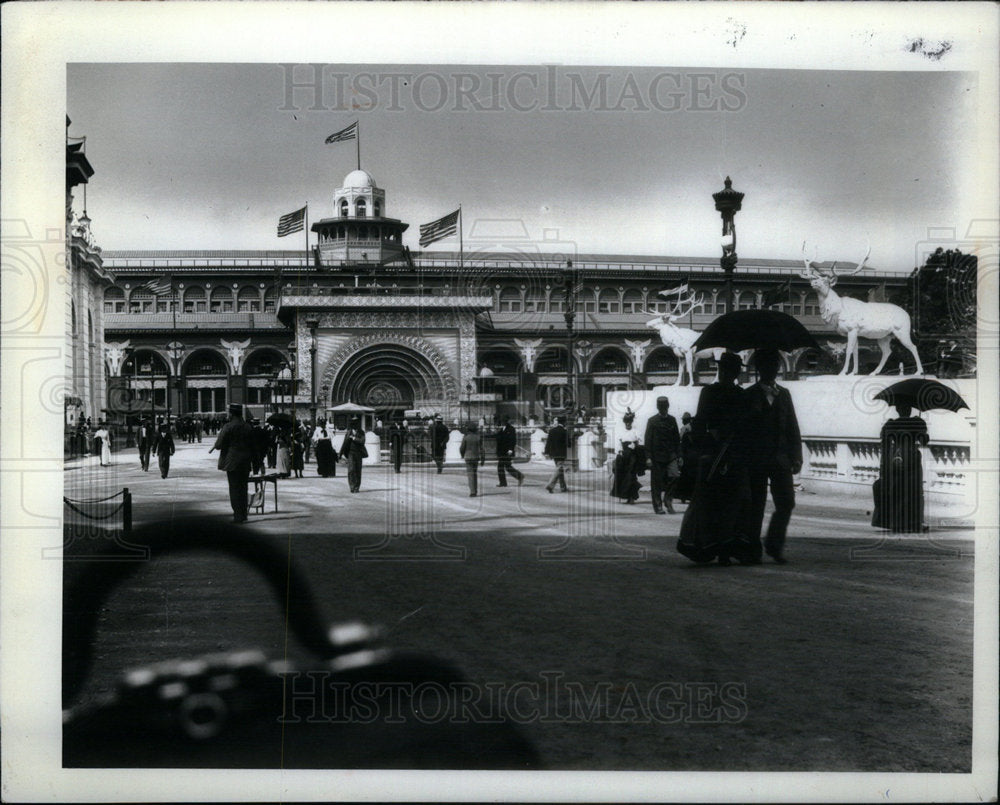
(280, 420)
(755, 329)
(922, 394)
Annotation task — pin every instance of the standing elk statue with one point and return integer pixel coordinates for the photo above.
(679, 339)
(879, 321)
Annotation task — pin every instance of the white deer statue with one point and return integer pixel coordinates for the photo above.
(856, 319)
(679, 339)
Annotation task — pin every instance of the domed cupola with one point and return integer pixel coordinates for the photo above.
(359, 232)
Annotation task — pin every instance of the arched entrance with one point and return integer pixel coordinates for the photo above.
(388, 375)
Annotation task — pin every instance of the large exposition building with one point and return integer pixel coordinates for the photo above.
(359, 318)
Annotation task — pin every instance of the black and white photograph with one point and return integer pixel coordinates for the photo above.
(532, 402)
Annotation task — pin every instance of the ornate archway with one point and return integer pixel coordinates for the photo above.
(387, 371)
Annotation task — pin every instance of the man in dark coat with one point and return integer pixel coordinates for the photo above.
(144, 442)
(163, 446)
(506, 445)
(261, 441)
(439, 442)
(556, 448)
(235, 444)
(471, 450)
(397, 438)
(663, 449)
(353, 449)
(774, 448)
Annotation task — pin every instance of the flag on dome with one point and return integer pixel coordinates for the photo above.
(293, 222)
(343, 135)
(441, 228)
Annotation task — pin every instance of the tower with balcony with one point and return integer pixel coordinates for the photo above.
(359, 231)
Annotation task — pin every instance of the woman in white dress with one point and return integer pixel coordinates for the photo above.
(104, 435)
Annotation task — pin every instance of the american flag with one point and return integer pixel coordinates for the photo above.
(779, 294)
(439, 229)
(349, 133)
(160, 286)
(675, 291)
(293, 222)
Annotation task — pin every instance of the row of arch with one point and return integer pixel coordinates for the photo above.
(514, 299)
(205, 361)
(194, 299)
(604, 360)
(360, 208)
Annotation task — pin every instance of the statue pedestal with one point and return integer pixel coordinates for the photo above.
(374, 447)
(538, 438)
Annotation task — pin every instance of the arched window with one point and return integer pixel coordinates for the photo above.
(632, 301)
(501, 361)
(661, 359)
(510, 300)
(114, 300)
(585, 301)
(551, 361)
(72, 314)
(609, 361)
(90, 329)
(248, 299)
(608, 302)
(270, 300)
(344, 209)
(140, 301)
(360, 208)
(557, 302)
(221, 300)
(206, 363)
(377, 208)
(194, 300)
(811, 305)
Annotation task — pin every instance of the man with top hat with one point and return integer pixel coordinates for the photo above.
(235, 444)
(663, 449)
(163, 446)
(774, 449)
(397, 438)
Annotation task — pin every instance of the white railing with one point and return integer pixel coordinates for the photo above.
(946, 465)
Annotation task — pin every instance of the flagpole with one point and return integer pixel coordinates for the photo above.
(305, 231)
(461, 246)
(358, 143)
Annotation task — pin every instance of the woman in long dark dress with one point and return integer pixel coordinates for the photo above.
(625, 481)
(326, 458)
(899, 491)
(711, 528)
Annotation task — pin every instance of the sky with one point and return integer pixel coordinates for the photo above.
(589, 160)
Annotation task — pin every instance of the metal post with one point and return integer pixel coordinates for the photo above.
(728, 202)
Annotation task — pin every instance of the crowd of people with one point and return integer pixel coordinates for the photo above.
(721, 462)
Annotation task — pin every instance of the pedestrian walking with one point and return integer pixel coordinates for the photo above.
(663, 450)
(899, 490)
(163, 446)
(439, 442)
(102, 443)
(506, 446)
(555, 449)
(260, 442)
(326, 457)
(144, 442)
(298, 451)
(714, 523)
(471, 450)
(774, 448)
(283, 454)
(397, 438)
(353, 449)
(626, 468)
(235, 444)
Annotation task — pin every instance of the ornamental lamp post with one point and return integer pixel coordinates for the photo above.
(175, 349)
(569, 277)
(292, 350)
(728, 202)
(312, 323)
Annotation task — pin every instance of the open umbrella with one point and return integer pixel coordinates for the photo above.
(756, 329)
(280, 420)
(922, 394)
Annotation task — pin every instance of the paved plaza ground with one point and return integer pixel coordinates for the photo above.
(855, 656)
